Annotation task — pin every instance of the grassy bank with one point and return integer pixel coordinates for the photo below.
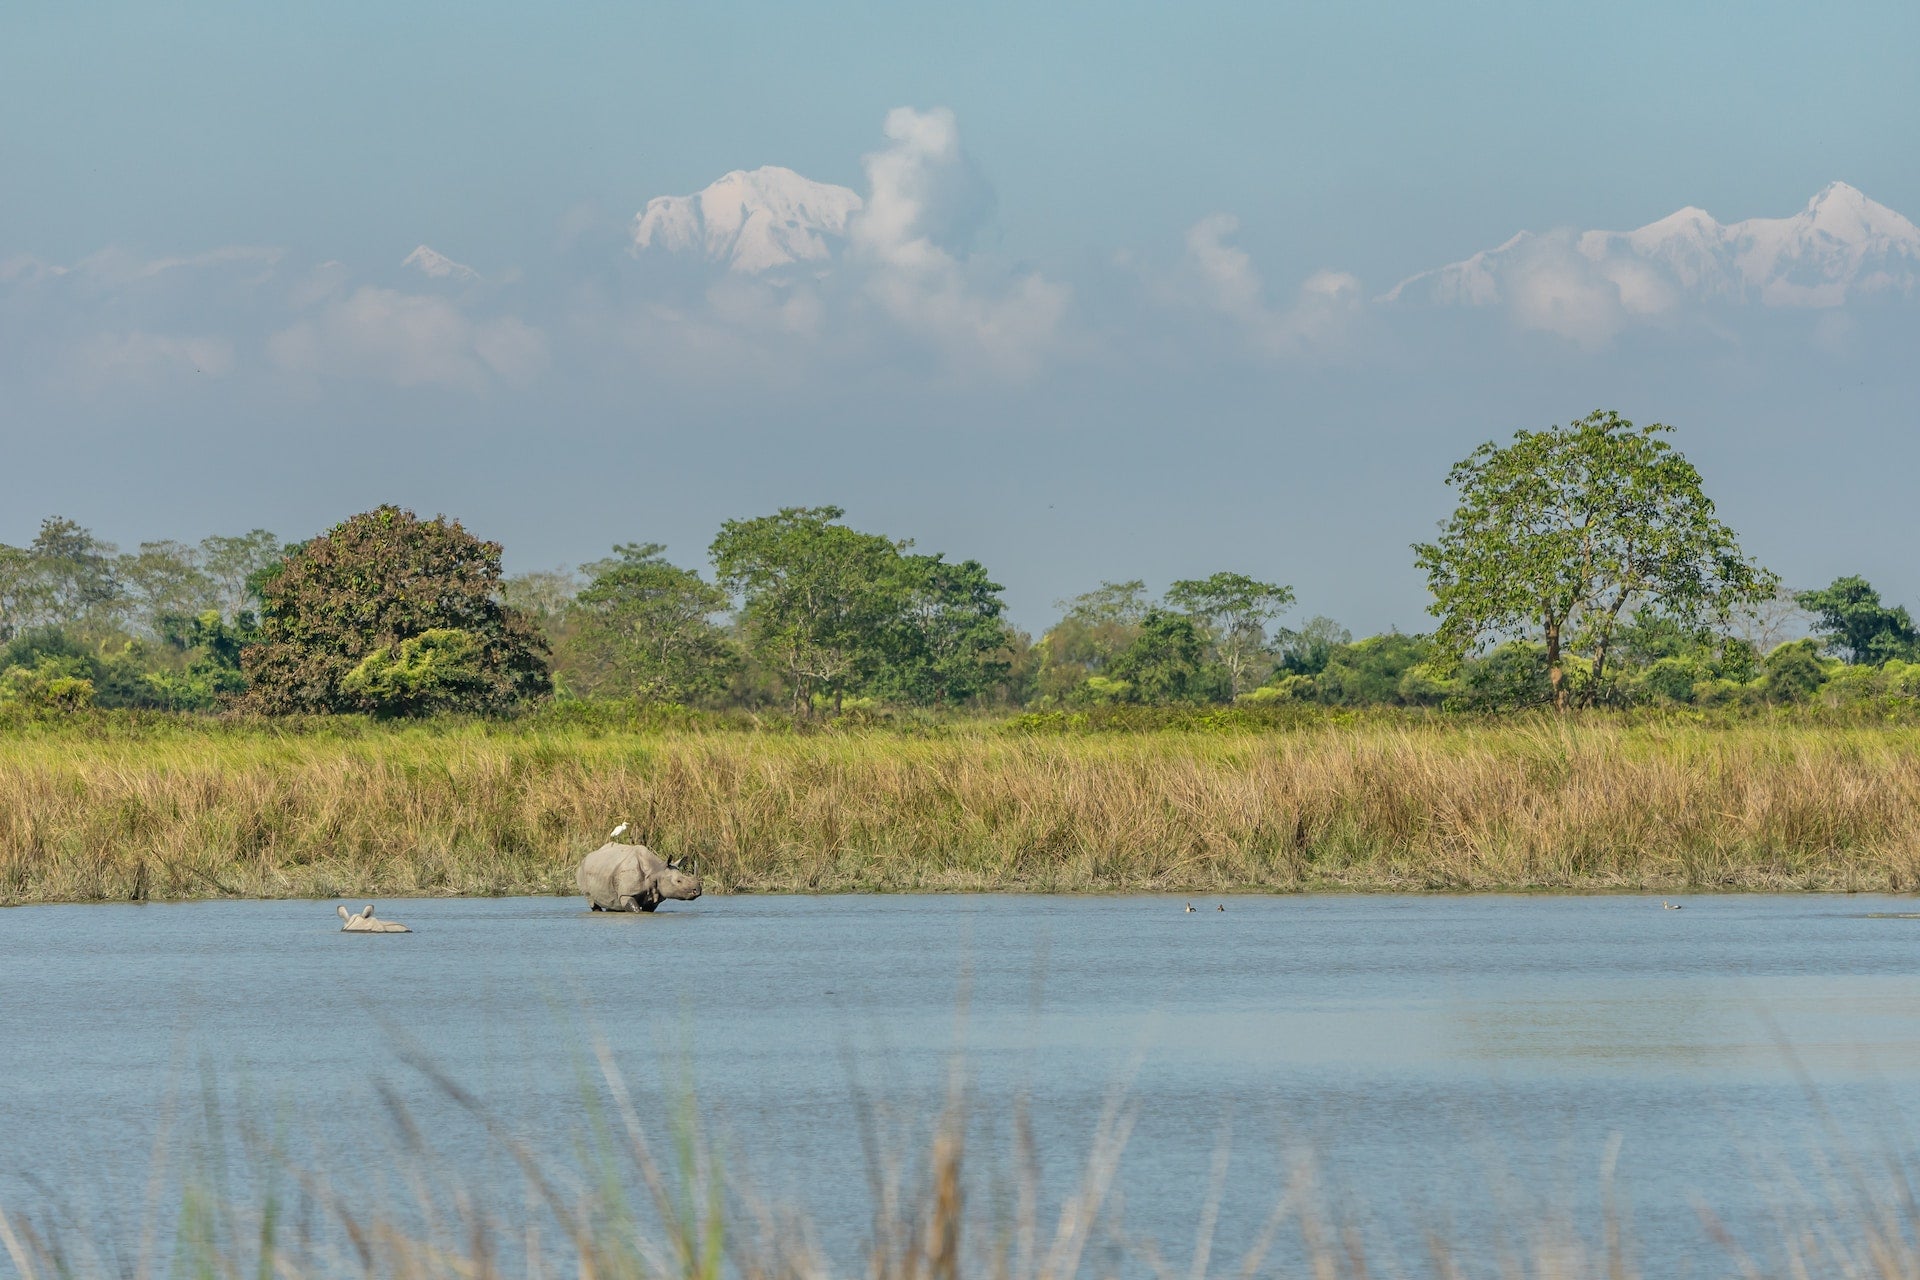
(175, 810)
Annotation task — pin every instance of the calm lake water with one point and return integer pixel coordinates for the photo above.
(1455, 1062)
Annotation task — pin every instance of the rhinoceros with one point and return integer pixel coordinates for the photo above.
(366, 922)
(632, 877)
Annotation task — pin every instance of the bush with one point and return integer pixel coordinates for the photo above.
(53, 683)
(1794, 672)
(437, 670)
(1670, 680)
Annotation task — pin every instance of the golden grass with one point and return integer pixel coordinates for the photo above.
(1531, 804)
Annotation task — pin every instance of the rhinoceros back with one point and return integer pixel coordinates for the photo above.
(615, 872)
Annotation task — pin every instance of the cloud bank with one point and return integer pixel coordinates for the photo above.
(767, 273)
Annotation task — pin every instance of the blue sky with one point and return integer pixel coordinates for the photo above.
(1090, 379)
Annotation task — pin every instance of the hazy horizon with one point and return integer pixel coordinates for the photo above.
(1082, 294)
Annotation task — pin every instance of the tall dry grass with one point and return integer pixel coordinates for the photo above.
(1520, 805)
(624, 1208)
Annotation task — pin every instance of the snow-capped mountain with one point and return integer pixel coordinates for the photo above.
(430, 262)
(753, 221)
(436, 265)
(1841, 247)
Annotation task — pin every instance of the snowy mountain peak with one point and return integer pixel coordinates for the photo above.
(430, 262)
(752, 220)
(1842, 246)
(1846, 213)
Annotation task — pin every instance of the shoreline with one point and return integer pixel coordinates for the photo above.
(1211, 895)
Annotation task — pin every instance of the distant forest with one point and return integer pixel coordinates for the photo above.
(1582, 567)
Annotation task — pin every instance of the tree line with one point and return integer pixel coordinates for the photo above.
(1582, 565)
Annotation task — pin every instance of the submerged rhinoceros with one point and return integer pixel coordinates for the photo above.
(367, 922)
(632, 877)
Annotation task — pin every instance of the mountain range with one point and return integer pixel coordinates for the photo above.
(1841, 247)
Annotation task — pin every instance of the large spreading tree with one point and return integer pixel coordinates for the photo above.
(832, 611)
(817, 598)
(390, 614)
(1563, 533)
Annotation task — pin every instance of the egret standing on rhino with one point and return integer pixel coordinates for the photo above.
(632, 877)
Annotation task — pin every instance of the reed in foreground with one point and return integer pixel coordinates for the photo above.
(624, 1211)
(1450, 806)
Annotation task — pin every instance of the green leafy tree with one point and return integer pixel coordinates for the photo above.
(79, 572)
(164, 579)
(818, 598)
(1372, 671)
(208, 652)
(1233, 612)
(21, 592)
(64, 578)
(1094, 629)
(1165, 662)
(1509, 677)
(1306, 651)
(1560, 532)
(644, 628)
(544, 595)
(234, 567)
(384, 577)
(1858, 626)
(949, 645)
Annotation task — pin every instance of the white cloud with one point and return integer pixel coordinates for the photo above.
(410, 341)
(924, 197)
(24, 268)
(1552, 286)
(119, 321)
(835, 269)
(118, 268)
(322, 281)
(1322, 311)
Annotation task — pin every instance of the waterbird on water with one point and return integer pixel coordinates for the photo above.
(1221, 907)
(1671, 906)
(1189, 908)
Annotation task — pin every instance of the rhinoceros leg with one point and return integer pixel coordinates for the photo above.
(594, 906)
